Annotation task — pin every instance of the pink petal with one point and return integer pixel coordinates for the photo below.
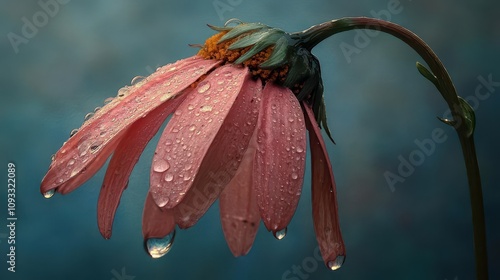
(238, 206)
(97, 137)
(201, 147)
(89, 169)
(156, 222)
(280, 157)
(324, 200)
(224, 155)
(125, 157)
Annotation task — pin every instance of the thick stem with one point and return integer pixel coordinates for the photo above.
(314, 35)
(476, 199)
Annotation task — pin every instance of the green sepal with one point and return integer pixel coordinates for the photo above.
(226, 26)
(278, 56)
(219, 28)
(249, 40)
(309, 87)
(240, 29)
(298, 69)
(323, 121)
(270, 39)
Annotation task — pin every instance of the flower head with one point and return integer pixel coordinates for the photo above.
(241, 109)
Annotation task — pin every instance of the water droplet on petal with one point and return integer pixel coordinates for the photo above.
(71, 162)
(108, 100)
(52, 157)
(203, 86)
(169, 177)
(97, 109)
(299, 150)
(136, 79)
(94, 148)
(159, 247)
(123, 91)
(337, 263)
(161, 165)
(88, 116)
(280, 234)
(48, 194)
(192, 127)
(295, 176)
(73, 132)
(206, 108)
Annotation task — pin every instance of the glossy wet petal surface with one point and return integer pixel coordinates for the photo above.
(324, 200)
(239, 212)
(125, 157)
(97, 138)
(280, 158)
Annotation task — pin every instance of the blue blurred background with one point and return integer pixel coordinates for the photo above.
(378, 106)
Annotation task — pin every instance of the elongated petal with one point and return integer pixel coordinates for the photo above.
(96, 136)
(224, 154)
(125, 157)
(324, 200)
(156, 222)
(204, 143)
(239, 212)
(78, 177)
(280, 157)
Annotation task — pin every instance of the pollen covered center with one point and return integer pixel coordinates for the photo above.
(220, 51)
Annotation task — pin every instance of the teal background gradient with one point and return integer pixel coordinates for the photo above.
(378, 106)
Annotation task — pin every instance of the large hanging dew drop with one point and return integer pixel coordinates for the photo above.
(159, 247)
(49, 193)
(280, 234)
(337, 263)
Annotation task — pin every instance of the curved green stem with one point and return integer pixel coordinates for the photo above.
(463, 115)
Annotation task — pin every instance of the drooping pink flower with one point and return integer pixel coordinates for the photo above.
(240, 110)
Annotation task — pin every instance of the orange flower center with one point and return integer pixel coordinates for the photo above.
(213, 50)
